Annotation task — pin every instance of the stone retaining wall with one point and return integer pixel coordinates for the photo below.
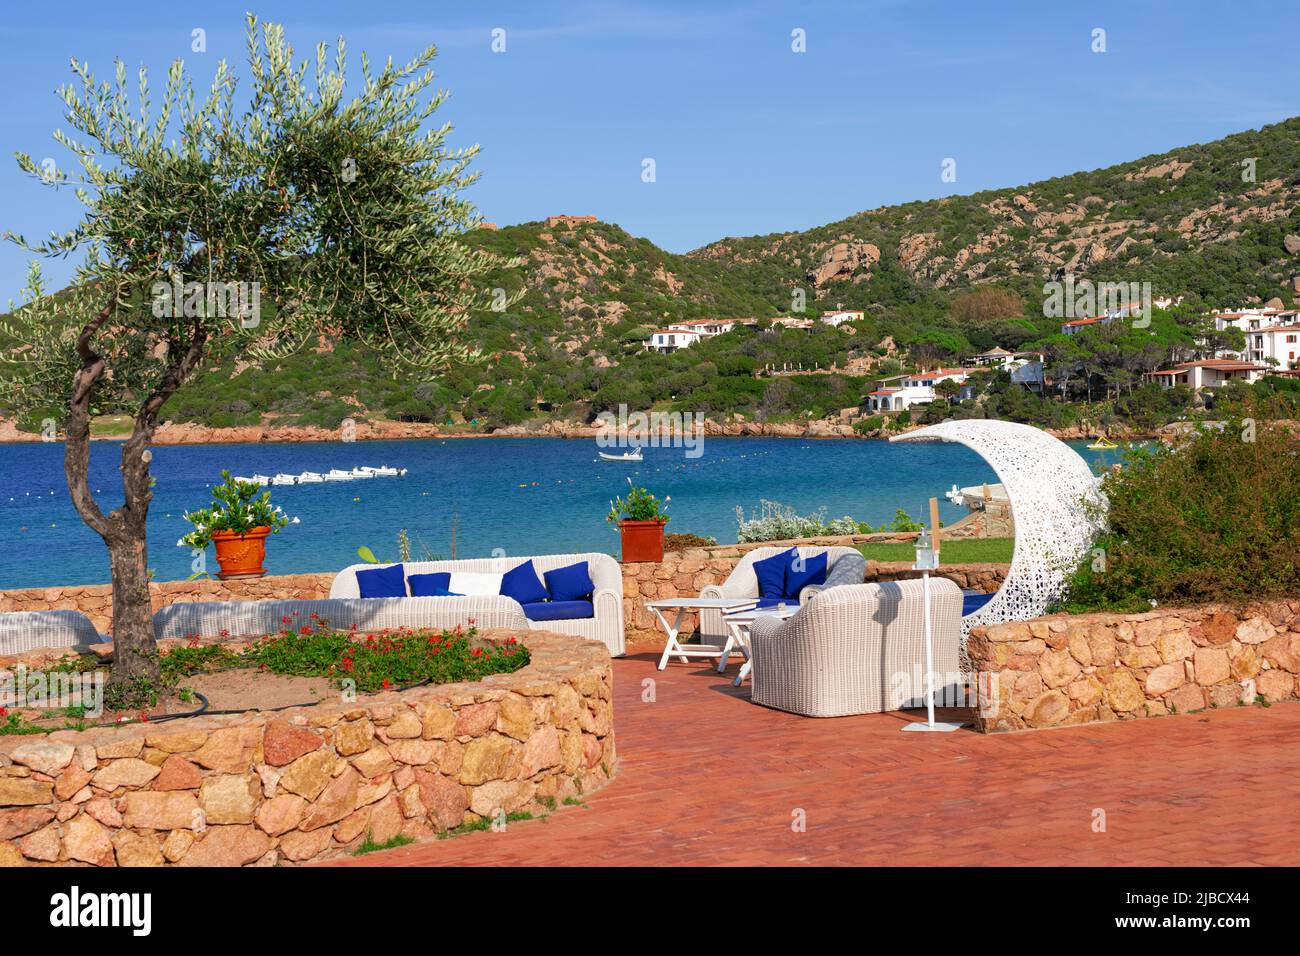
(315, 782)
(1075, 669)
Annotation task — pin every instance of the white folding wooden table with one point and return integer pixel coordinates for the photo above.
(683, 652)
(738, 624)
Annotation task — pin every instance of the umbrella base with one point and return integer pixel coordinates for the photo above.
(937, 727)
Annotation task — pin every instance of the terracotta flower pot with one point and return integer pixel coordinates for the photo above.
(642, 540)
(240, 553)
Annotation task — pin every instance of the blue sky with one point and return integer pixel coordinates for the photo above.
(747, 136)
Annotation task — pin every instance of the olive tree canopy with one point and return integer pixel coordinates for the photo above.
(238, 223)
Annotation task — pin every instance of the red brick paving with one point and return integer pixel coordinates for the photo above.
(705, 777)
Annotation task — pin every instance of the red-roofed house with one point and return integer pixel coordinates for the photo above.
(1279, 343)
(1106, 318)
(707, 327)
(1210, 373)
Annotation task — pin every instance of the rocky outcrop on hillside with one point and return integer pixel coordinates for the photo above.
(851, 260)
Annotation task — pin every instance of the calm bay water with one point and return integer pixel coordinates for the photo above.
(525, 496)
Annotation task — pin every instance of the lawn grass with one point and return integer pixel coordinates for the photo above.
(960, 551)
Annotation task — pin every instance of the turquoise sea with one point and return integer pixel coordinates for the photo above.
(511, 496)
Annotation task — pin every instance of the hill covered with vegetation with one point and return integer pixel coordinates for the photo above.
(938, 281)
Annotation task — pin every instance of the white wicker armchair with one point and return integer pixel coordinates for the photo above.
(605, 626)
(858, 649)
(742, 583)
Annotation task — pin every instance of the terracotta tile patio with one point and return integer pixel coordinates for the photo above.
(707, 778)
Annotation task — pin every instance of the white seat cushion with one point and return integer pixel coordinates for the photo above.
(475, 583)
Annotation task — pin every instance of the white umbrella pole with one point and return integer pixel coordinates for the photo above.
(931, 723)
(929, 650)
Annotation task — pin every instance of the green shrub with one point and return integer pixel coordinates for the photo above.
(777, 522)
(1214, 518)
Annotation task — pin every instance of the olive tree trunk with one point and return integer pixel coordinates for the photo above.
(124, 529)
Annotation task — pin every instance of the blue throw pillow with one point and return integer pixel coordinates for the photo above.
(571, 583)
(771, 573)
(428, 585)
(801, 574)
(386, 582)
(522, 584)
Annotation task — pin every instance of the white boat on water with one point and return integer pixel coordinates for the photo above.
(634, 455)
(337, 474)
(255, 480)
(309, 478)
(976, 497)
(362, 473)
(283, 479)
(383, 471)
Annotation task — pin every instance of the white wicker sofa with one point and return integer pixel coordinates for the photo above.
(22, 631)
(858, 649)
(605, 624)
(743, 583)
(257, 618)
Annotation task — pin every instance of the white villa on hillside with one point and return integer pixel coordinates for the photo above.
(1251, 320)
(706, 327)
(1110, 315)
(914, 388)
(671, 339)
(1277, 343)
(1210, 373)
(839, 317)
(679, 335)
(898, 399)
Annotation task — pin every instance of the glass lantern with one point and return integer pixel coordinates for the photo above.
(926, 559)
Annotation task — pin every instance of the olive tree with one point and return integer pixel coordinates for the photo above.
(238, 223)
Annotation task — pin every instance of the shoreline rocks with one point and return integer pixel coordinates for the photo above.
(171, 433)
